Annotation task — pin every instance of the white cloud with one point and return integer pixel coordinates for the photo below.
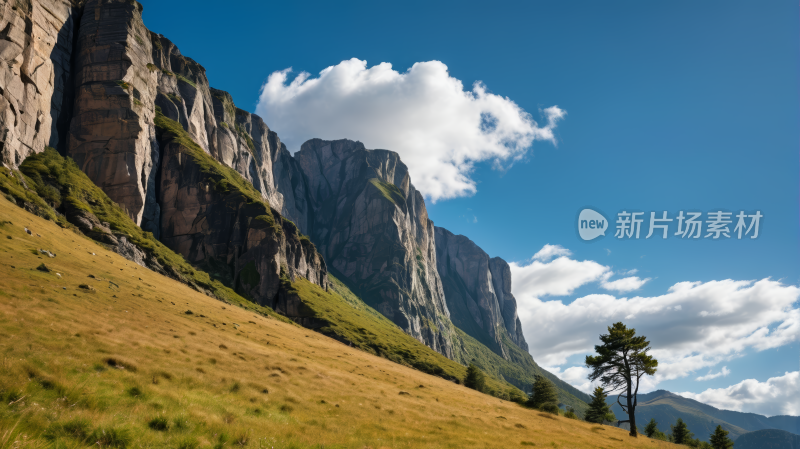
(559, 277)
(776, 396)
(722, 373)
(549, 251)
(577, 376)
(439, 129)
(694, 326)
(624, 285)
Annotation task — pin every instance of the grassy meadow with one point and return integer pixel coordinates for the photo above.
(101, 352)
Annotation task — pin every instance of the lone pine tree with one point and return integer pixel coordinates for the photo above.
(621, 363)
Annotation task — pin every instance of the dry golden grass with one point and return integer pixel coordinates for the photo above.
(127, 358)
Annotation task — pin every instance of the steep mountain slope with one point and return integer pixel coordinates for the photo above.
(768, 439)
(35, 90)
(135, 359)
(478, 291)
(372, 227)
(702, 419)
(207, 180)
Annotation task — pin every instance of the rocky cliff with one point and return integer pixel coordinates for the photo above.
(36, 44)
(478, 291)
(372, 227)
(214, 183)
(141, 121)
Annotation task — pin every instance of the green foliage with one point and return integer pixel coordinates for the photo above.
(61, 181)
(651, 430)
(621, 362)
(159, 423)
(151, 67)
(112, 437)
(719, 439)
(389, 191)
(570, 413)
(549, 407)
(475, 378)
(77, 429)
(599, 410)
(519, 369)
(123, 84)
(680, 433)
(347, 318)
(185, 80)
(156, 41)
(226, 179)
(544, 392)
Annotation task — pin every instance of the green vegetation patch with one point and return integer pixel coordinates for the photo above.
(186, 80)
(60, 181)
(350, 319)
(389, 191)
(226, 179)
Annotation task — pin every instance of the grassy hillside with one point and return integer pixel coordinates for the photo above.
(667, 407)
(768, 439)
(519, 371)
(101, 352)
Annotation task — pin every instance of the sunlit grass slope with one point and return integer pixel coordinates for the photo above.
(122, 362)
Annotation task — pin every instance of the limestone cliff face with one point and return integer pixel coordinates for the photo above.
(478, 291)
(372, 226)
(36, 45)
(239, 241)
(234, 137)
(111, 136)
(121, 73)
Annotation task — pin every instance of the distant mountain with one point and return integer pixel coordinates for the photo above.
(701, 418)
(768, 439)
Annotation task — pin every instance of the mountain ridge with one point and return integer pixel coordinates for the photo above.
(216, 185)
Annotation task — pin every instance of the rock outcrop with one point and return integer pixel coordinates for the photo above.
(232, 136)
(478, 291)
(219, 224)
(111, 136)
(36, 42)
(372, 227)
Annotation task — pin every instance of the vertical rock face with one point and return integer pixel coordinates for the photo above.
(36, 40)
(234, 137)
(478, 291)
(372, 226)
(233, 237)
(501, 277)
(111, 136)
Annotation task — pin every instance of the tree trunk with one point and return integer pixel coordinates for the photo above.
(631, 415)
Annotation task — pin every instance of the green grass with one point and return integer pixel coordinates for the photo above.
(186, 80)
(519, 371)
(349, 319)
(389, 191)
(55, 180)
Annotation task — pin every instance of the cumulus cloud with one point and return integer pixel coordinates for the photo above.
(577, 376)
(769, 398)
(557, 278)
(693, 326)
(439, 129)
(624, 285)
(549, 251)
(722, 373)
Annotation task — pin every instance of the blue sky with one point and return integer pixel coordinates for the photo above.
(669, 106)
